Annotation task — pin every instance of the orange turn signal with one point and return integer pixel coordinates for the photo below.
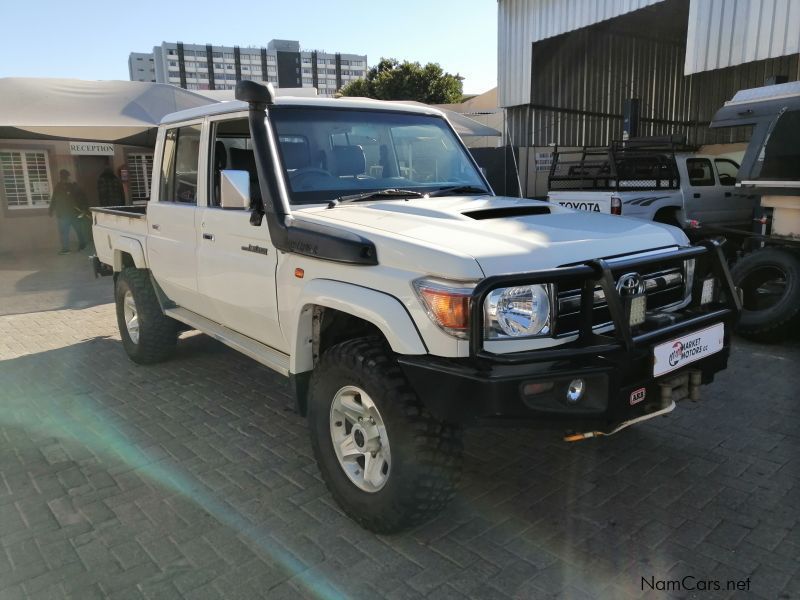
(299, 273)
(447, 303)
(450, 309)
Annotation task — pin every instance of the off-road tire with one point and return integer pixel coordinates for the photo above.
(778, 321)
(426, 453)
(158, 334)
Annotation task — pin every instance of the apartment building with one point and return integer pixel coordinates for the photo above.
(281, 62)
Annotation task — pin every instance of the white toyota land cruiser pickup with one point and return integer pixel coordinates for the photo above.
(354, 247)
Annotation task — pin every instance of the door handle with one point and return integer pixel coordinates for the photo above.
(697, 194)
(208, 236)
(727, 194)
(156, 226)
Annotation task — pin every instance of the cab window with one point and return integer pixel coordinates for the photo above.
(700, 172)
(727, 170)
(179, 165)
(232, 150)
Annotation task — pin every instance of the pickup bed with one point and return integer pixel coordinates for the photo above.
(354, 247)
(684, 189)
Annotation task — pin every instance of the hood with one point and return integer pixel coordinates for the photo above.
(505, 235)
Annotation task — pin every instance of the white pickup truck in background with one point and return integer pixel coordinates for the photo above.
(653, 179)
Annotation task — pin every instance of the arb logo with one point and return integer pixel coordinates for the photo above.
(638, 395)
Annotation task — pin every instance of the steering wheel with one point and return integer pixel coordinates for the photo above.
(299, 175)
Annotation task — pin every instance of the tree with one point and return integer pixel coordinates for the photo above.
(392, 80)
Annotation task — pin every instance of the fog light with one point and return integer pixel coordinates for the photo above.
(638, 310)
(575, 390)
(707, 295)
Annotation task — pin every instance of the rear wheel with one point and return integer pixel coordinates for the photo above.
(770, 283)
(387, 462)
(148, 335)
(667, 216)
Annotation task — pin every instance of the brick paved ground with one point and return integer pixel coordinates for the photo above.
(191, 479)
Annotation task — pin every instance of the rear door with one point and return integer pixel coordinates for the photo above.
(171, 243)
(236, 260)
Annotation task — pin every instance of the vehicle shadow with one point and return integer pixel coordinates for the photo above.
(39, 283)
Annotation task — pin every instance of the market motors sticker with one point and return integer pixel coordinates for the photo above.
(674, 354)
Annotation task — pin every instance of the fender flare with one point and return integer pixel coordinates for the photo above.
(386, 312)
(131, 246)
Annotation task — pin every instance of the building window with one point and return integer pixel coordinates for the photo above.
(270, 58)
(26, 178)
(140, 174)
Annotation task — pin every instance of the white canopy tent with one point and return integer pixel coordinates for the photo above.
(101, 111)
(118, 111)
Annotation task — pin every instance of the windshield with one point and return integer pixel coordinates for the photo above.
(330, 153)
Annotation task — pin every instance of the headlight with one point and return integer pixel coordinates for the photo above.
(519, 311)
(447, 303)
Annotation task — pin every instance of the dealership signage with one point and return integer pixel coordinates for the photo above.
(91, 148)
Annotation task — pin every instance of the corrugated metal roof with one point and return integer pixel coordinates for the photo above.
(522, 22)
(724, 33)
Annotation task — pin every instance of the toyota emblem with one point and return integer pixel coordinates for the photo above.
(631, 284)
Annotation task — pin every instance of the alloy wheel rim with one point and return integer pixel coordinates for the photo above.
(131, 316)
(359, 439)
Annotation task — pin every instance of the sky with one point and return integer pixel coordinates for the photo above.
(86, 39)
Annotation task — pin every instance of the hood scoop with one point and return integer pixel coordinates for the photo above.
(506, 212)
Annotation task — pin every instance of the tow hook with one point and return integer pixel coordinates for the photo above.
(685, 386)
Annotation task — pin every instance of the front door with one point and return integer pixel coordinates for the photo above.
(703, 197)
(236, 260)
(172, 240)
(738, 204)
(88, 172)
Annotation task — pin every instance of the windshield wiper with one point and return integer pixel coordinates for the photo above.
(454, 190)
(377, 194)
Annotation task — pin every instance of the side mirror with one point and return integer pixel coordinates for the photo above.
(234, 189)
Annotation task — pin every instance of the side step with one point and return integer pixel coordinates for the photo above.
(274, 359)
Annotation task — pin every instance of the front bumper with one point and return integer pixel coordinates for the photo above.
(617, 368)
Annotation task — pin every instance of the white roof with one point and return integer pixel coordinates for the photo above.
(767, 92)
(463, 125)
(318, 102)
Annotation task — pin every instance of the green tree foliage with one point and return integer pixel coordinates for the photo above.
(392, 80)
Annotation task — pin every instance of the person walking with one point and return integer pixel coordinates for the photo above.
(70, 207)
(109, 189)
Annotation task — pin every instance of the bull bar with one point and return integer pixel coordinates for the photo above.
(600, 272)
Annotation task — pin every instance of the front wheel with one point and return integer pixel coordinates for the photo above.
(387, 462)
